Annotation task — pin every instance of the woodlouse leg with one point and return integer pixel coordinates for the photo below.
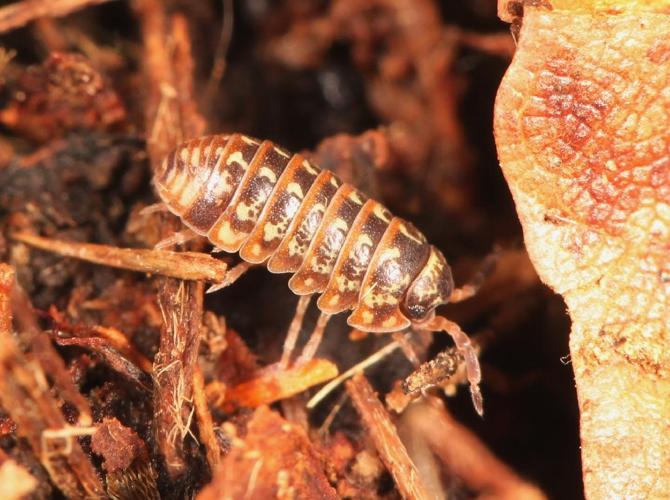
(314, 341)
(406, 346)
(231, 277)
(154, 208)
(467, 350)
(472, 287)
(178, 238)
(294, 331)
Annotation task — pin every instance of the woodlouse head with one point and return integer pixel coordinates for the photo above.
(431, 288)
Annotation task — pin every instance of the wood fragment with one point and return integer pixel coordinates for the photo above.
(462, 453)
(273, 459)
(377, 422)
(171, 115)
(25, 394)
(16, 482)
(40, 346)
(273, 384)
(19, 14)
(117, 361)
(182, 265)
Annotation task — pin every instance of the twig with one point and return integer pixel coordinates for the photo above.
(357, 368)
(183, 265)
(171, 116)
(463, 454)
(385, 437)
(205, 421)
(19, 14)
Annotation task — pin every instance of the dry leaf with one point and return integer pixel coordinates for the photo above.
(581, 125)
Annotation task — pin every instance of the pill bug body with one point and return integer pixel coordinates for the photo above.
(276, 208)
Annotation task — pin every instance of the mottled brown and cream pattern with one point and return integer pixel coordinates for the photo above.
(253, 197)
(313, 275)
(347, 276)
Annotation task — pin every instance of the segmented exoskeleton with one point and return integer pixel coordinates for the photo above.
(276, 208)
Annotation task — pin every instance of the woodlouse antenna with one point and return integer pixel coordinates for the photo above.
(467, 350)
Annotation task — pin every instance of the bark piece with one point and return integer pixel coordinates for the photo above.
(182, 265)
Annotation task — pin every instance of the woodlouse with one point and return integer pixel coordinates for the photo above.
(273, 207)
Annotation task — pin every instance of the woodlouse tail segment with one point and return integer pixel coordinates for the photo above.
(467, 350)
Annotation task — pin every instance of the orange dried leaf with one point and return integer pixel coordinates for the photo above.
(273, 384)
(581, 125)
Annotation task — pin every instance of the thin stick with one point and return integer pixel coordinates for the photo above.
(205, 421)
(19, 14)
(357, 368)
(385, 437)
(193, 266)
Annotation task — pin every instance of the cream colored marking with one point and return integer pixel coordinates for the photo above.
(344, 284)
(238, 158)
(225, 235)
(281, 152)
(389, 253)
(403, 230)
(195, 156)
(189, 194)
(334, 300)
(294, 248)
(295, 189)
(220, 183)
(309, 282)
(381, 213)
(183, 155)
(375, 300)
(178, 183)
(273, 231)
(246, 212)
(267, 172)
(368, 316)
(170, 178)
(334, 182)
(388, 323)
(355, 197)
(363, 240)
(310, 168)
(249, 140)
(255, 249)
(340, 225)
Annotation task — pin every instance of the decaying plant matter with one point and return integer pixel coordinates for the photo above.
(583, 137)
(121, 377)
